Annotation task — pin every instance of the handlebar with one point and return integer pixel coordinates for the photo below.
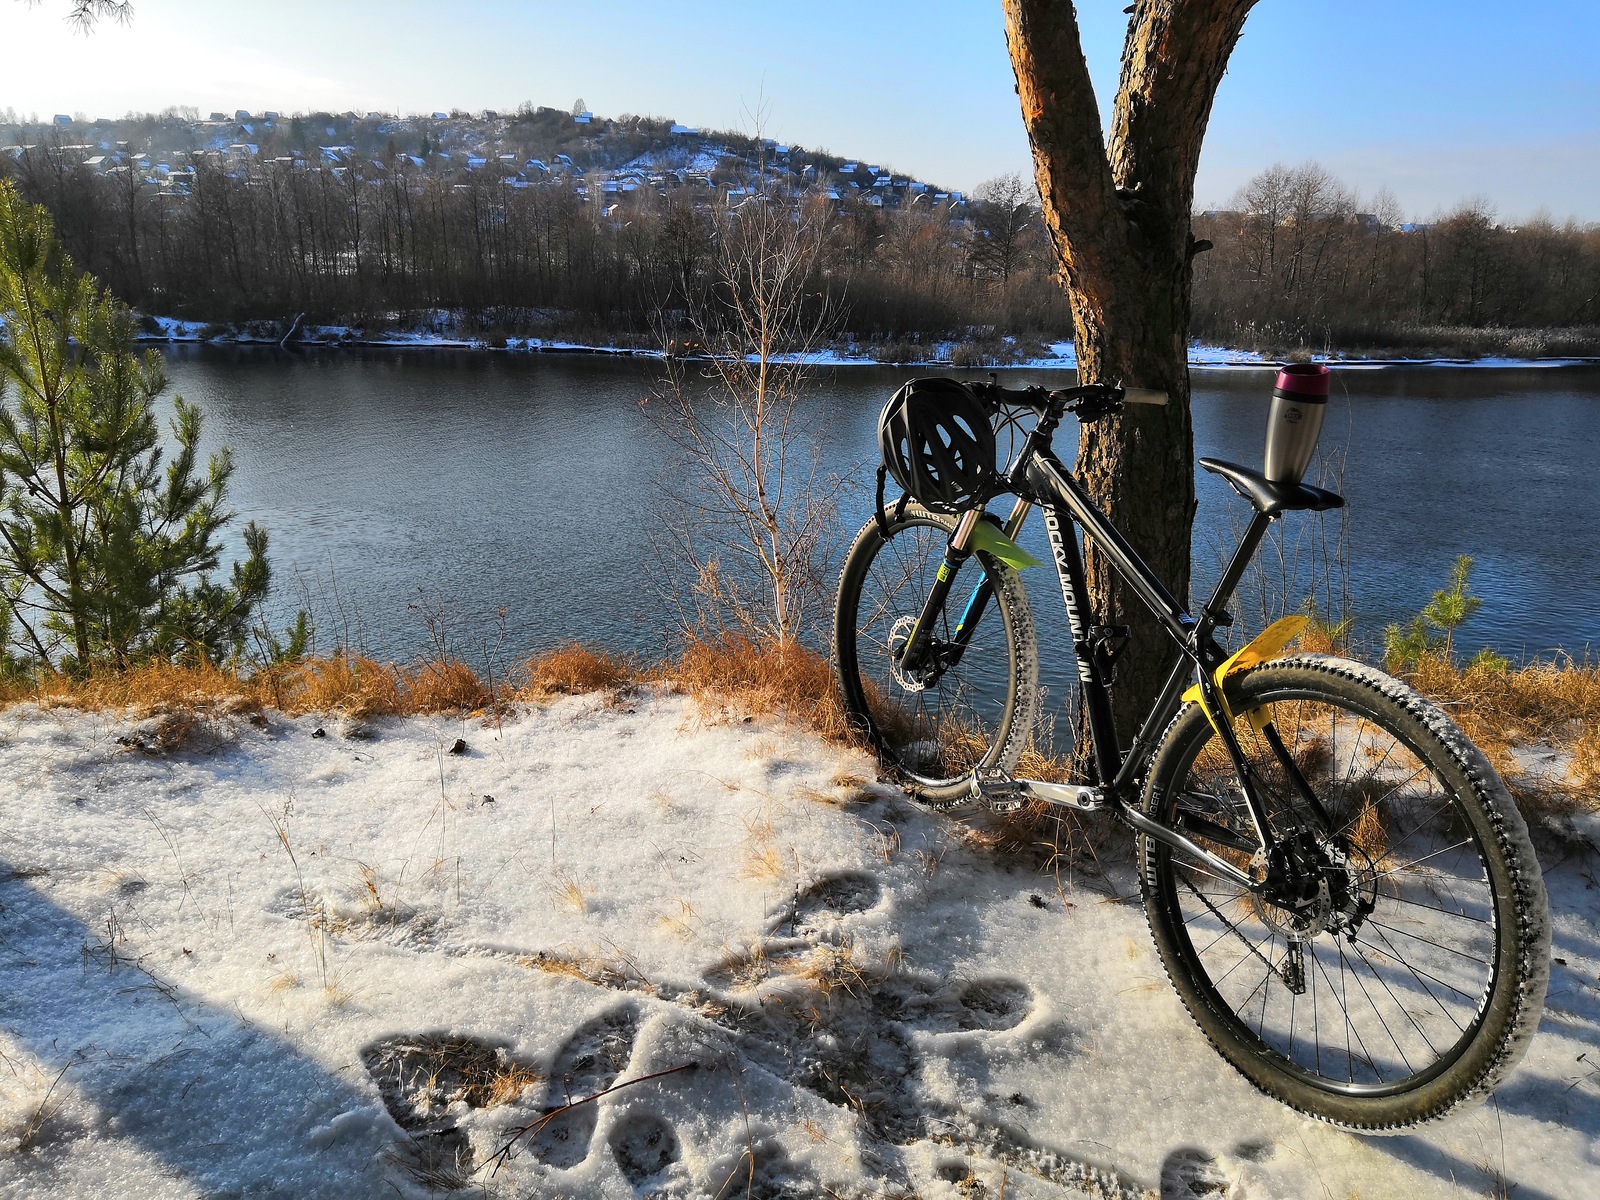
(1087, 402)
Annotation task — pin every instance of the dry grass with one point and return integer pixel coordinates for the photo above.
(569, 894)
(683, 924)
(575, 671)
(733, 671)
(352, 685)
(1552, 704)
(438, 1072)
(764, 859)
(827, 969)
(446, 685)
(613, 969)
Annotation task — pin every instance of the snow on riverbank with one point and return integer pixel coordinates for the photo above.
(1057, 356)
(278, 962)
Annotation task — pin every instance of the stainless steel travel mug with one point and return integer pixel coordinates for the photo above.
(1299, 399)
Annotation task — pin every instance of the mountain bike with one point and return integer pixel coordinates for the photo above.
(1338, 884)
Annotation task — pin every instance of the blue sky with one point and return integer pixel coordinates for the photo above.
(1436, 101)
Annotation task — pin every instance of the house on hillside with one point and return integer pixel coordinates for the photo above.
(684, 131)
(582, 118)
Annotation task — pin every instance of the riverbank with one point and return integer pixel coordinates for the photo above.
(1012, 354)
(354, 956)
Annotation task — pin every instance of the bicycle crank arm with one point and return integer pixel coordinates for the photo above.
(1063, 795)
(1004, 794)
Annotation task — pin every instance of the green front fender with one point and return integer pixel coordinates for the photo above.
(989, 538)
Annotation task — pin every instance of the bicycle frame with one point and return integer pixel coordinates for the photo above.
(1039, 478)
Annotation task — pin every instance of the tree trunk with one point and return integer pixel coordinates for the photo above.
(1118, 218)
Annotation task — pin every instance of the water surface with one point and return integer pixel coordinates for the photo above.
(414, 494)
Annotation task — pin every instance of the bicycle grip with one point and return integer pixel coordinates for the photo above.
(1143, 396)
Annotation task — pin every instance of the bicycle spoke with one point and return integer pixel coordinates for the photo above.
(1389, 1014)
(1428, 941)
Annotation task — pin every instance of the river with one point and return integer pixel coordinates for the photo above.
(412, 495)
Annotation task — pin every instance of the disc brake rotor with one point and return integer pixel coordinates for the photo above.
(899, 635)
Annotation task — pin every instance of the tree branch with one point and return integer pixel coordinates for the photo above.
(1071, 168)
(1172, 63)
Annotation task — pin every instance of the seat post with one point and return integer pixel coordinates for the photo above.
(1249, 542)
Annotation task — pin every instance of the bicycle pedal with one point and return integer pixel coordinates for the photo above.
(998, 790)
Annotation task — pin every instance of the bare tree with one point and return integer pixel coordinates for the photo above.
(1117, 212)
(1004, 212)
(754, 512)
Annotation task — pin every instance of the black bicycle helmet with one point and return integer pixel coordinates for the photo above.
(937, 443)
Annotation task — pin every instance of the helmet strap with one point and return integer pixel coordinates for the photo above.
(878, 513)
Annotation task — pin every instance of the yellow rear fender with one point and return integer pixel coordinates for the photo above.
(1267, 645)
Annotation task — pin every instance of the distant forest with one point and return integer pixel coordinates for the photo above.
(382, 237)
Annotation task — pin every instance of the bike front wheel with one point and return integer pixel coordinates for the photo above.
(976, 703)
(1391, 963)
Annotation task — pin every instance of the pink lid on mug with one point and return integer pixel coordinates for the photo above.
(1307, 380)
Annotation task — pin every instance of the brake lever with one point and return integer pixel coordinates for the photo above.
(1105, 401)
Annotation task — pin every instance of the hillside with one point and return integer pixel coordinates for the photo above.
(529, 146)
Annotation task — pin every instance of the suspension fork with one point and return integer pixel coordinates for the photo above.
(957, 553)
(978, 602)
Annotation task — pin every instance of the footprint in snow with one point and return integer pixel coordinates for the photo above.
(1191, 1174)
(995, 1004)
(590, 1061)
(830, 898)
(645, 1147)
(421, 1076)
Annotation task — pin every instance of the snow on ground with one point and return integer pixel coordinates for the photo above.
(1057, 356)
(284, 962)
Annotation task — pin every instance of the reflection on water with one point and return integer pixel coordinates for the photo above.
(401, 483)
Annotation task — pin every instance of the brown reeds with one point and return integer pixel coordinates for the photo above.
(757, 677)
(575, 671)
(1554, 704)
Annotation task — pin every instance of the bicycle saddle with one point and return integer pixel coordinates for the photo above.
(1271, 498)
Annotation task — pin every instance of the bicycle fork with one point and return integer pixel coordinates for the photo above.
(912, 655)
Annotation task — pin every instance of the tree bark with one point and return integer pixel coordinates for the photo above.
(1118, 218)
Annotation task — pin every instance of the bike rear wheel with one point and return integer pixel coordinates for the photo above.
(1403, 974)
(934, 728)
